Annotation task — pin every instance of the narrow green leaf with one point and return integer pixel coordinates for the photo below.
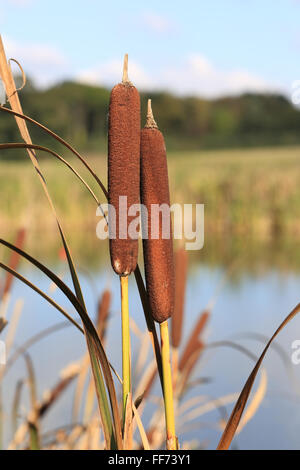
(92, 337)
(41, 293)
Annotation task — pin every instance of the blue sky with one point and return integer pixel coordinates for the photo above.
(198, 47)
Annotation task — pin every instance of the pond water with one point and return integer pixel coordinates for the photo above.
(252, 300)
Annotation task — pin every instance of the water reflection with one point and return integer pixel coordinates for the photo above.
(262, 286)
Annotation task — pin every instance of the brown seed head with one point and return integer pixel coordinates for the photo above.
(194, 343)
(103, 313)
(158, 253)
(124, 168)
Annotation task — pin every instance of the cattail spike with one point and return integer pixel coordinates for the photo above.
(158, 252)
(123, 168)
(125, 79)
(150, 121)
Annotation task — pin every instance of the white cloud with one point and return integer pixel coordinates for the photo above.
(21, 3)
(196, 75)
(155, 22)
(200, 76)
(110, 73)
(42, 62)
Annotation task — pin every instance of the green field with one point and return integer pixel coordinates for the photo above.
(253, 193)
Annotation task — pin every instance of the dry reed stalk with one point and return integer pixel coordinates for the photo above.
(181, 261)
(34, 425)
(146, 382)
(15, 405)
(74, 435)
(141, 428)
(49, 399)
(103, 311)
(158, 253)
(188, 415)
(79, 389)
(127, 437)
(193, 342)
(101, 373)
(189, 367)
(89, 401)
(3, 323)
(156, 432)
(13, 324)
(13, 262)
(145, 344)
(207, 407)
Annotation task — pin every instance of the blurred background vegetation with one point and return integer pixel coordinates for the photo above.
(240, 156)
(79, 113)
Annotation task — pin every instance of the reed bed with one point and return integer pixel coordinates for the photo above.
(253, 193)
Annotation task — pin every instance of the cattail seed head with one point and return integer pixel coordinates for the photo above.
(158, 253)
(103, 311)
(194, 343)
(124, 167)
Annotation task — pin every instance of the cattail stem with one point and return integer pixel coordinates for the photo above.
(168, 387)
(125, 340)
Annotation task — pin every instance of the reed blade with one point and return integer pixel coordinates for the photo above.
(237, 412)
(98, 357)
(93, 343)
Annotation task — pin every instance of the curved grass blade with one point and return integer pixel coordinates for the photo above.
(16, 145)
(138, 276)
(278, 349)
(31, 341)
(41, 293)
(8, 80)
(59, 139)
(237, 412)
(43, 407)
(13, 263)
(94, 344)
(98, 379)
(141, 428)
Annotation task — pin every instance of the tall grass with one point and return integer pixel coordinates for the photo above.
(116, 433)
(246, 192)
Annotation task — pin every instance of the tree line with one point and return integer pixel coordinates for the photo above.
(79, 113)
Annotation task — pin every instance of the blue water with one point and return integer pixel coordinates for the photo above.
(246, 303)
